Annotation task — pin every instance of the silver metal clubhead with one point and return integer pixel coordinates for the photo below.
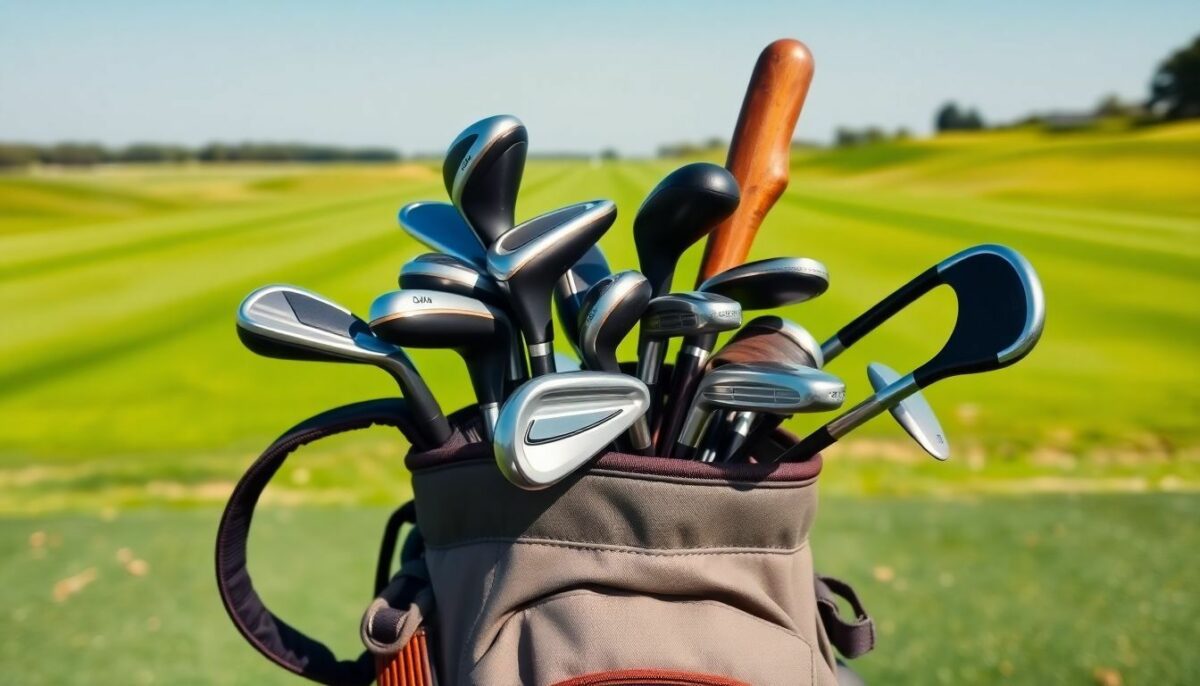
(687, 314)
(554, 424)
(770, 283)
(439, 226)
(913, 414)
(758, 387)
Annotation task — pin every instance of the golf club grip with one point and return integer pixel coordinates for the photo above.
(883, 310)
(760, 152)
(810, 445)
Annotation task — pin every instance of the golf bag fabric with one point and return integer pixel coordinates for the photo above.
(635, 570)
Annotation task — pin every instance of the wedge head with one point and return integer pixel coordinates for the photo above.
(913, 414)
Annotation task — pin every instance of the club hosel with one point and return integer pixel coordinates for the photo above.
(870, 408)
(690, 435)
(490, 412)
(541, 359)
(427, 414)
(639, 437)
(651, 352)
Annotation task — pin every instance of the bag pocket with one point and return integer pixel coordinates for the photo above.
(599, 637)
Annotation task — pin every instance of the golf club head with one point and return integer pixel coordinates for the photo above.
(528, 260)
(687, 314)
(439, 226)
(913, 414)
(679, 211)
(437, 271)
(760, 387)
(482, 173)
(1001, 313)
(769, 337)
(608, 313)
(570, 289)
(982, 277)
(480, 333)
(770, 283)
(554, 424)
(291, 323)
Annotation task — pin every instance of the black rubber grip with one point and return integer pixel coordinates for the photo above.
(889, 306)
(810, 445)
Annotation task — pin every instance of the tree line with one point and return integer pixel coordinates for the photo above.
(87, 154)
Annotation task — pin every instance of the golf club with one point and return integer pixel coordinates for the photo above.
(570, 289)
(556, 423)
(913, 414)
(439, 226)
(761, 387)
(529, 259)
(679, 211)
(450, 274)
(1001, 312)
(479, 333)
(290, 323)
(606, 316)
(482, 172)
(761, 285)
(688, 314)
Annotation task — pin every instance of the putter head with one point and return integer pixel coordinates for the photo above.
(528, 260)
(680, 210)
(573, 286)
(554, 424)
(913, 414)
(439, 226)
(437, 271)
(771, 283)
(482, 173)
(802, 347)
(608, 312)
(771, 387)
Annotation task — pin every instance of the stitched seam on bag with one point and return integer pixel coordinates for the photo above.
(629, 550)
(713, 482)
(707, 603)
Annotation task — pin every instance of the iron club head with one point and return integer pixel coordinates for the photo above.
(913, 414)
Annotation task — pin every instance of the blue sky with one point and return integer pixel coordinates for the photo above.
(582, 76)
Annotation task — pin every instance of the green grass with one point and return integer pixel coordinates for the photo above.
(130, 408)
(996, 590)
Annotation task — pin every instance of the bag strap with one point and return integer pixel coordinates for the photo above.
(281, 643)
(852, 638)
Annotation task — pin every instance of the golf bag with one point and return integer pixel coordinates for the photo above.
(635, 570)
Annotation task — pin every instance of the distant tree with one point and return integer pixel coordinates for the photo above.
(714, 142)
(1175, 88)
(153, 152)
(951, 118)
(18, 155)
(1112, 106)
(609, 154)
(76, 154)
(902, 134)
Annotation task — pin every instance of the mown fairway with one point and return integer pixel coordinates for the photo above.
(130, 408)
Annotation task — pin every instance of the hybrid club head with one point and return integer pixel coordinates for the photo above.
(679, 211)
(481, 334)
(555, 424)
(291, 323)
(450, 274)
(608, 313)
(770, 283)
(913, 414)
(439, 226)
(529, 259)
(570, 289)
(1001, 313)
(762, 387)
(482, 173)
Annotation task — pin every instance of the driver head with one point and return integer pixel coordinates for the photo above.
(679, 211)
(529, 259)
(759, 387)
(554, 424)
(439, 226)
(482, 173)
(771, 283)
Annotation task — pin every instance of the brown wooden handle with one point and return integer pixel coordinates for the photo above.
(760, 152)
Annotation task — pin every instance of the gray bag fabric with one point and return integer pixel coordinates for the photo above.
(636, 570)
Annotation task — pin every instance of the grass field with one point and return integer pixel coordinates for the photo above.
(130, 408)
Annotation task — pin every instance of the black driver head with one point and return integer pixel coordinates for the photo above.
(482, 173)
(681, 210)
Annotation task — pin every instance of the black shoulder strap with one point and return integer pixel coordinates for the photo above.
(281, 643)
(853, 638)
